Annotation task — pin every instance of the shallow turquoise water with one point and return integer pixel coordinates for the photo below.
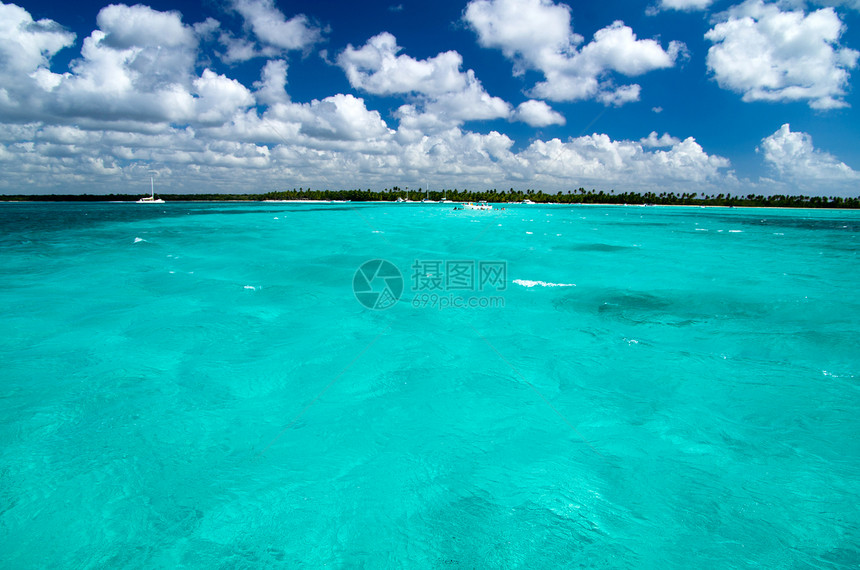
(197, 385)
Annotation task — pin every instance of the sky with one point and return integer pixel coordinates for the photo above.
(705, 96)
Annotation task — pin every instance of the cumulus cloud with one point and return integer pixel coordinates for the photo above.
(27, 45)
(26, 49)
(376, 68)
(538, 114)
(768, 54)
(219, 97)
(341, 117)
(140, 26)
(653, 141)
(272, 87)
(136, 71)
(796, 161)
(443, 89)
(537, 34)
(469, 104)
(273, 29)
(237, 50)
(128, 71)
(598, 157)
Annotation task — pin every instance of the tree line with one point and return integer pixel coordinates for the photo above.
(578, 196)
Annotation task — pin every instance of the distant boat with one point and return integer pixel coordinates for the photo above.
(444, 200)
(478, 206)
(151, 199)
(407, 197)
(527, 201)
(427, 199)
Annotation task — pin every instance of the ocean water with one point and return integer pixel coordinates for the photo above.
(199, 385)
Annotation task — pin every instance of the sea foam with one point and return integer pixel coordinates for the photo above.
(530, 284)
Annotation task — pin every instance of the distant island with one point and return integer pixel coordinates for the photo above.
(579, 196)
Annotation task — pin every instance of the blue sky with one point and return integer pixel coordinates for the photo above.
(702, 96)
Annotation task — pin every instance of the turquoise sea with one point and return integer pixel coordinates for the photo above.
(198, 385)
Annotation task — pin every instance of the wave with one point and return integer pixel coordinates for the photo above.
(530, 284)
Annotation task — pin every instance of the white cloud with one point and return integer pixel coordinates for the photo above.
(128, 70)
(653, 141)
(442, 89)
(141, 26)
(376, 68)
(137, 71)
(619, 96)
(271, 89)
(538, 114)
(273, 29)
(26, 49)
(685, 5)
(537, 34)
(219, 97)
(342, 117)
(616, 48)
(626, 165)
(338, 143)
(472, 103)
(238, 49)
(207, 28)
(533, 32)
(798, 162)
(25, 44)
(771, 55)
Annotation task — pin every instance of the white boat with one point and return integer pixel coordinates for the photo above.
(527, 201)
(478, 206)
(407, 197)
(151, 199)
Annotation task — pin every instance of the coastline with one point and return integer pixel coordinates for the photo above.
(391, 202)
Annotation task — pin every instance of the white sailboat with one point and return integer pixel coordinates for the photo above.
(407, 197)
(427, 199)
(151, 199)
